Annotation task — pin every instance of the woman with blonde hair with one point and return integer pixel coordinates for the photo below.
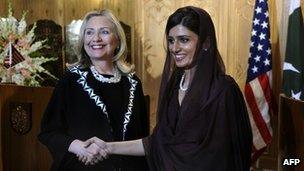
(98, 97)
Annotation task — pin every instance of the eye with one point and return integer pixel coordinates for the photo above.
(105, 32)
(170, 40)
(184, 39)
(89, 32)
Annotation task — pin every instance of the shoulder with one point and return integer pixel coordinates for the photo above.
(229, 85)
(231, 97)
(76, 69)
(71, 74)
(133, 76)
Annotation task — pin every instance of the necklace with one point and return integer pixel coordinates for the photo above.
(181, 83)
(115, 79)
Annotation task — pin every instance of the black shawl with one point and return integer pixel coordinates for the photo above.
(210, 130)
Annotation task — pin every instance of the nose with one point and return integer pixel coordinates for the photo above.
(97, 37)
(176, 47)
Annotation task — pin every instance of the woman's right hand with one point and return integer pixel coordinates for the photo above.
(104, 149)
(98, 151)
(80, 149)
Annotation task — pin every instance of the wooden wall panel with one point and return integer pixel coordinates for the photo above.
(18, 6)
(123, 10)
(23, 151)
(291, 135)
(37, 9)
(239, 26)
(76, 9)
(63, 12)
(44, 9)
(154, 15)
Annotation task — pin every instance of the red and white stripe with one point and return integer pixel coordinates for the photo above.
(14, 57)
(258, 99)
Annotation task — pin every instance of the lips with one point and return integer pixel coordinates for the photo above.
(179, 57)
(97, 47)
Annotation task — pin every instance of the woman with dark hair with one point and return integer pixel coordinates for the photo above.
(202, 118)
(100, 97)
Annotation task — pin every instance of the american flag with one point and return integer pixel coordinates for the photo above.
(258, 93)
(13, 56)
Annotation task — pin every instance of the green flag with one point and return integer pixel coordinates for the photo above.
(293, 69)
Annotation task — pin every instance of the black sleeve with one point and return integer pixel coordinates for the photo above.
(143, 111)
(139, 128)
(53, 124)
(240, 129)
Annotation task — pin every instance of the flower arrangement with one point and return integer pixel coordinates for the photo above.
(13, 33)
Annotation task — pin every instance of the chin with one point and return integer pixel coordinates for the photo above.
(96, 56)
(181, 65)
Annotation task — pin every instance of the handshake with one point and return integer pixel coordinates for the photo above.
(90, 151)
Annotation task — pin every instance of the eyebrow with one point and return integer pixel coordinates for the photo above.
(179, 36)
(101, 28)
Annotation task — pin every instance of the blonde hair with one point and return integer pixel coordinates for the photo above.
(121, 51)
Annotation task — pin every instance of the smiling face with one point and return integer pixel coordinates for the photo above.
(100, 40)
(182, 44)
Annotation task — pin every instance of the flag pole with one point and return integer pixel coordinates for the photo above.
(10, 54)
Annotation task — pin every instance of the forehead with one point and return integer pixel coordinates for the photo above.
(179, 30)
(99, 21)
